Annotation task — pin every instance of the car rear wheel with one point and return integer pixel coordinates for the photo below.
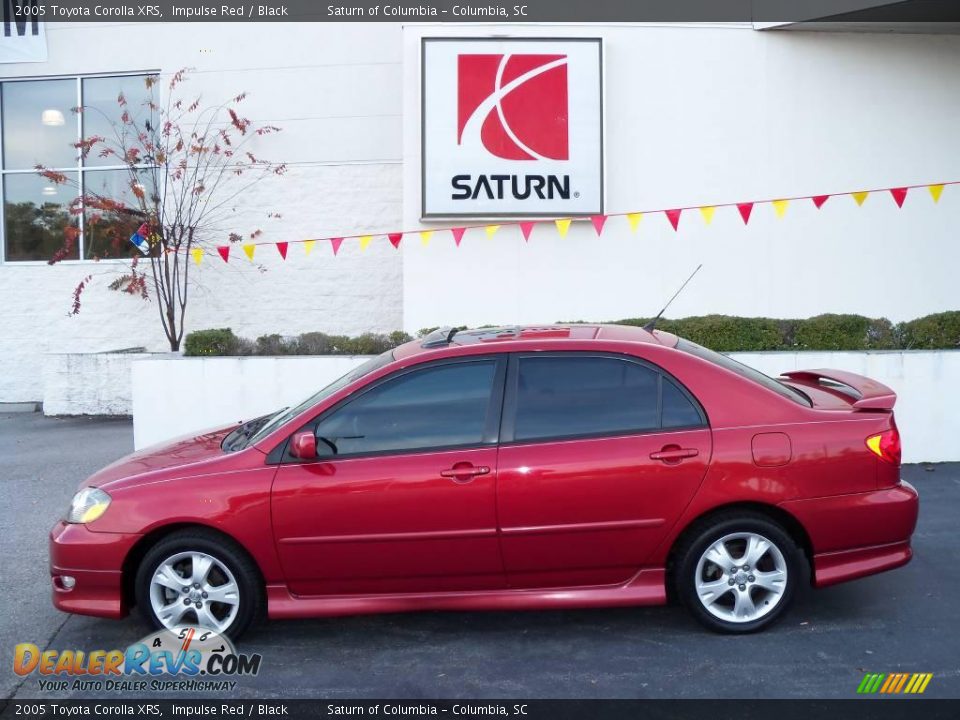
(199, 578)
(737, 573)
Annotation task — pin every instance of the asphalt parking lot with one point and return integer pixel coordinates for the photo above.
(903, 621)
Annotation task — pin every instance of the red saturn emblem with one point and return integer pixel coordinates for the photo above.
(515, 106)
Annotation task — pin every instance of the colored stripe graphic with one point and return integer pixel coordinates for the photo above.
(894, 683)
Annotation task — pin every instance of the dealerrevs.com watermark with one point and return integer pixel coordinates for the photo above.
(184, 659)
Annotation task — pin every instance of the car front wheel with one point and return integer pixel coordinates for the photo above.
(738, 573)
(198, 578)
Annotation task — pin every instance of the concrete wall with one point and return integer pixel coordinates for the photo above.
(219, 391)
(88, 383)
(705, 115)
(338, 102)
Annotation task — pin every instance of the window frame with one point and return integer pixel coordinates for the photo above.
(509, 412)
(492, 423)
(77, 167)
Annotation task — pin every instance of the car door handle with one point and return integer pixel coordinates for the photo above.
(464, 472)
(673, 453)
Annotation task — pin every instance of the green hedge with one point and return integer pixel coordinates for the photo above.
(222, 341)
(723, 333)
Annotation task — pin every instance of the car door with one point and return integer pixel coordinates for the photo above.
(402, 496)
(599, 455)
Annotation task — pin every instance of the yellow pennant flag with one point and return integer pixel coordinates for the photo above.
(248, 250)
(308, 246)
(562, 226)
(197, 255)
(491, 229)
(634, 219)
(425, 237)
(935, 191)
(364, 241)
(860, 196)
(707, 213)
(780, 207)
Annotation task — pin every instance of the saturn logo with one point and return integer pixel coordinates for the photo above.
(514, 105)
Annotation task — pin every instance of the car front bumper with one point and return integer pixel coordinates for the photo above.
(94, 561)
(858, 534)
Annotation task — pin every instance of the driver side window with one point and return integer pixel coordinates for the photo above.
(441, 406)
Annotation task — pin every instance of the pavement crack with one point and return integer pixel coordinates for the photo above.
(53, 637)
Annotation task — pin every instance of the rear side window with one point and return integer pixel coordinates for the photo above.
(436, 407)
(583, 396)
(744, 371)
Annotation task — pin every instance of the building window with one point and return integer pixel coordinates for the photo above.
(39, 127)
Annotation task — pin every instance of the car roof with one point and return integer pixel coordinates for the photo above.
(556, 334)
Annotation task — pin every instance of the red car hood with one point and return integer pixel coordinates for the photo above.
(180, 452)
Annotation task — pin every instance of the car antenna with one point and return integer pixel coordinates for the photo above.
(652, 325)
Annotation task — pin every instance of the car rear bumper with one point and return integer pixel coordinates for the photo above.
(858, 534)
(94, 561)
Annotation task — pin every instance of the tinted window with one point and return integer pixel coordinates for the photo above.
(677, 410)
(570, 396)
(743, 371)
(440, 406)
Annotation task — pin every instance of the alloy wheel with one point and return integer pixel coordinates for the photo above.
(741, 577)
(194, 588)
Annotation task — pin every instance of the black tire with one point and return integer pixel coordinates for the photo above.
(702, 537)
(225, 551)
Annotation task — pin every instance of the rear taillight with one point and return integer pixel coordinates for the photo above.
(886, 446)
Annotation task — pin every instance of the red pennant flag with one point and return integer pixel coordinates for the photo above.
(458, 234)
(598, 222)
(282, 249)
(143, 230)
(224, 251)
(395, 239)
(526, 228)
(335, 243)
(819, 200)
(745, 210)
(674, 217)
(899, 195)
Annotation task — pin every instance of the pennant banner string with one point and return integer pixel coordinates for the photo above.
(745, 208)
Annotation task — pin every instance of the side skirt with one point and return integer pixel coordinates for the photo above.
(646, 588)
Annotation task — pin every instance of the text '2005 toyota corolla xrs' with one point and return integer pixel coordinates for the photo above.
(510, 468)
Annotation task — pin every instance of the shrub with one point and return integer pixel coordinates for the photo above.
(941, 330)
(844, 332)
(314, 343)
(217, 341)
(723, 333)
(275, 344)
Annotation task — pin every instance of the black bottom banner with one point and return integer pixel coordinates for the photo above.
(862, 709)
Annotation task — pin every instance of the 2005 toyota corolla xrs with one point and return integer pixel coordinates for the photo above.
(536, 467)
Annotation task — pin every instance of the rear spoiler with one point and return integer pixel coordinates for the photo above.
(873, 395)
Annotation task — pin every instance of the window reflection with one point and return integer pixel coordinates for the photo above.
(39, 126)
(101, 110)
(109, 236)
(36, 214)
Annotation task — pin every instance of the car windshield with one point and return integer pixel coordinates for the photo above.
(263, 426)
(744, 371)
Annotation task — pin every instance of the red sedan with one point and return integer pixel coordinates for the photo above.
(537, 467)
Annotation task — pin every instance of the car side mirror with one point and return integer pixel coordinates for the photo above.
(303, 446)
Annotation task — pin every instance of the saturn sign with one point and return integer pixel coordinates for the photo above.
(512, 127)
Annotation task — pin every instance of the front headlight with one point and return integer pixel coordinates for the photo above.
(87, 505)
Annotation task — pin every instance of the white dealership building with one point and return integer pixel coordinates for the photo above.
(407, 127)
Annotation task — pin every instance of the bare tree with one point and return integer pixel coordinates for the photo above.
(187, 165)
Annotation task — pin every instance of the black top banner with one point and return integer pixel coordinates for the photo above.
(881, 12)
